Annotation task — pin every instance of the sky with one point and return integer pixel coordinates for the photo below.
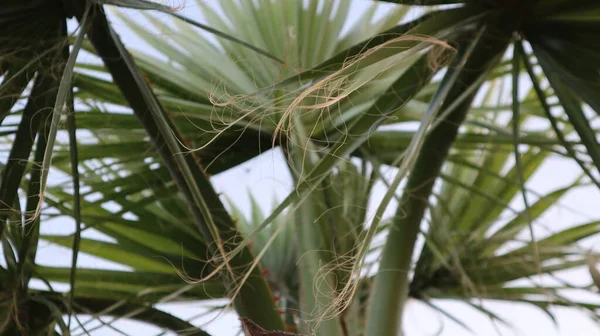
(266, 177)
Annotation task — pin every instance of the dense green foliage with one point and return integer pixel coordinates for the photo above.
(146, 129)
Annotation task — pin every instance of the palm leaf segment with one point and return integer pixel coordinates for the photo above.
(229, 124)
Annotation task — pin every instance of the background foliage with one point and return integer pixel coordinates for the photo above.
(449, 110)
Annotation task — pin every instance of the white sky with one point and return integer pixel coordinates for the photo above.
(267, 176)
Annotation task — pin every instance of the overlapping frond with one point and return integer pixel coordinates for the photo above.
(340, 98)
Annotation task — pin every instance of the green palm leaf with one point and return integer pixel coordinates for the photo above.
(338, 101)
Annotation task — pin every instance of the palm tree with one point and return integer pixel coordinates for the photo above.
(282, 75)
